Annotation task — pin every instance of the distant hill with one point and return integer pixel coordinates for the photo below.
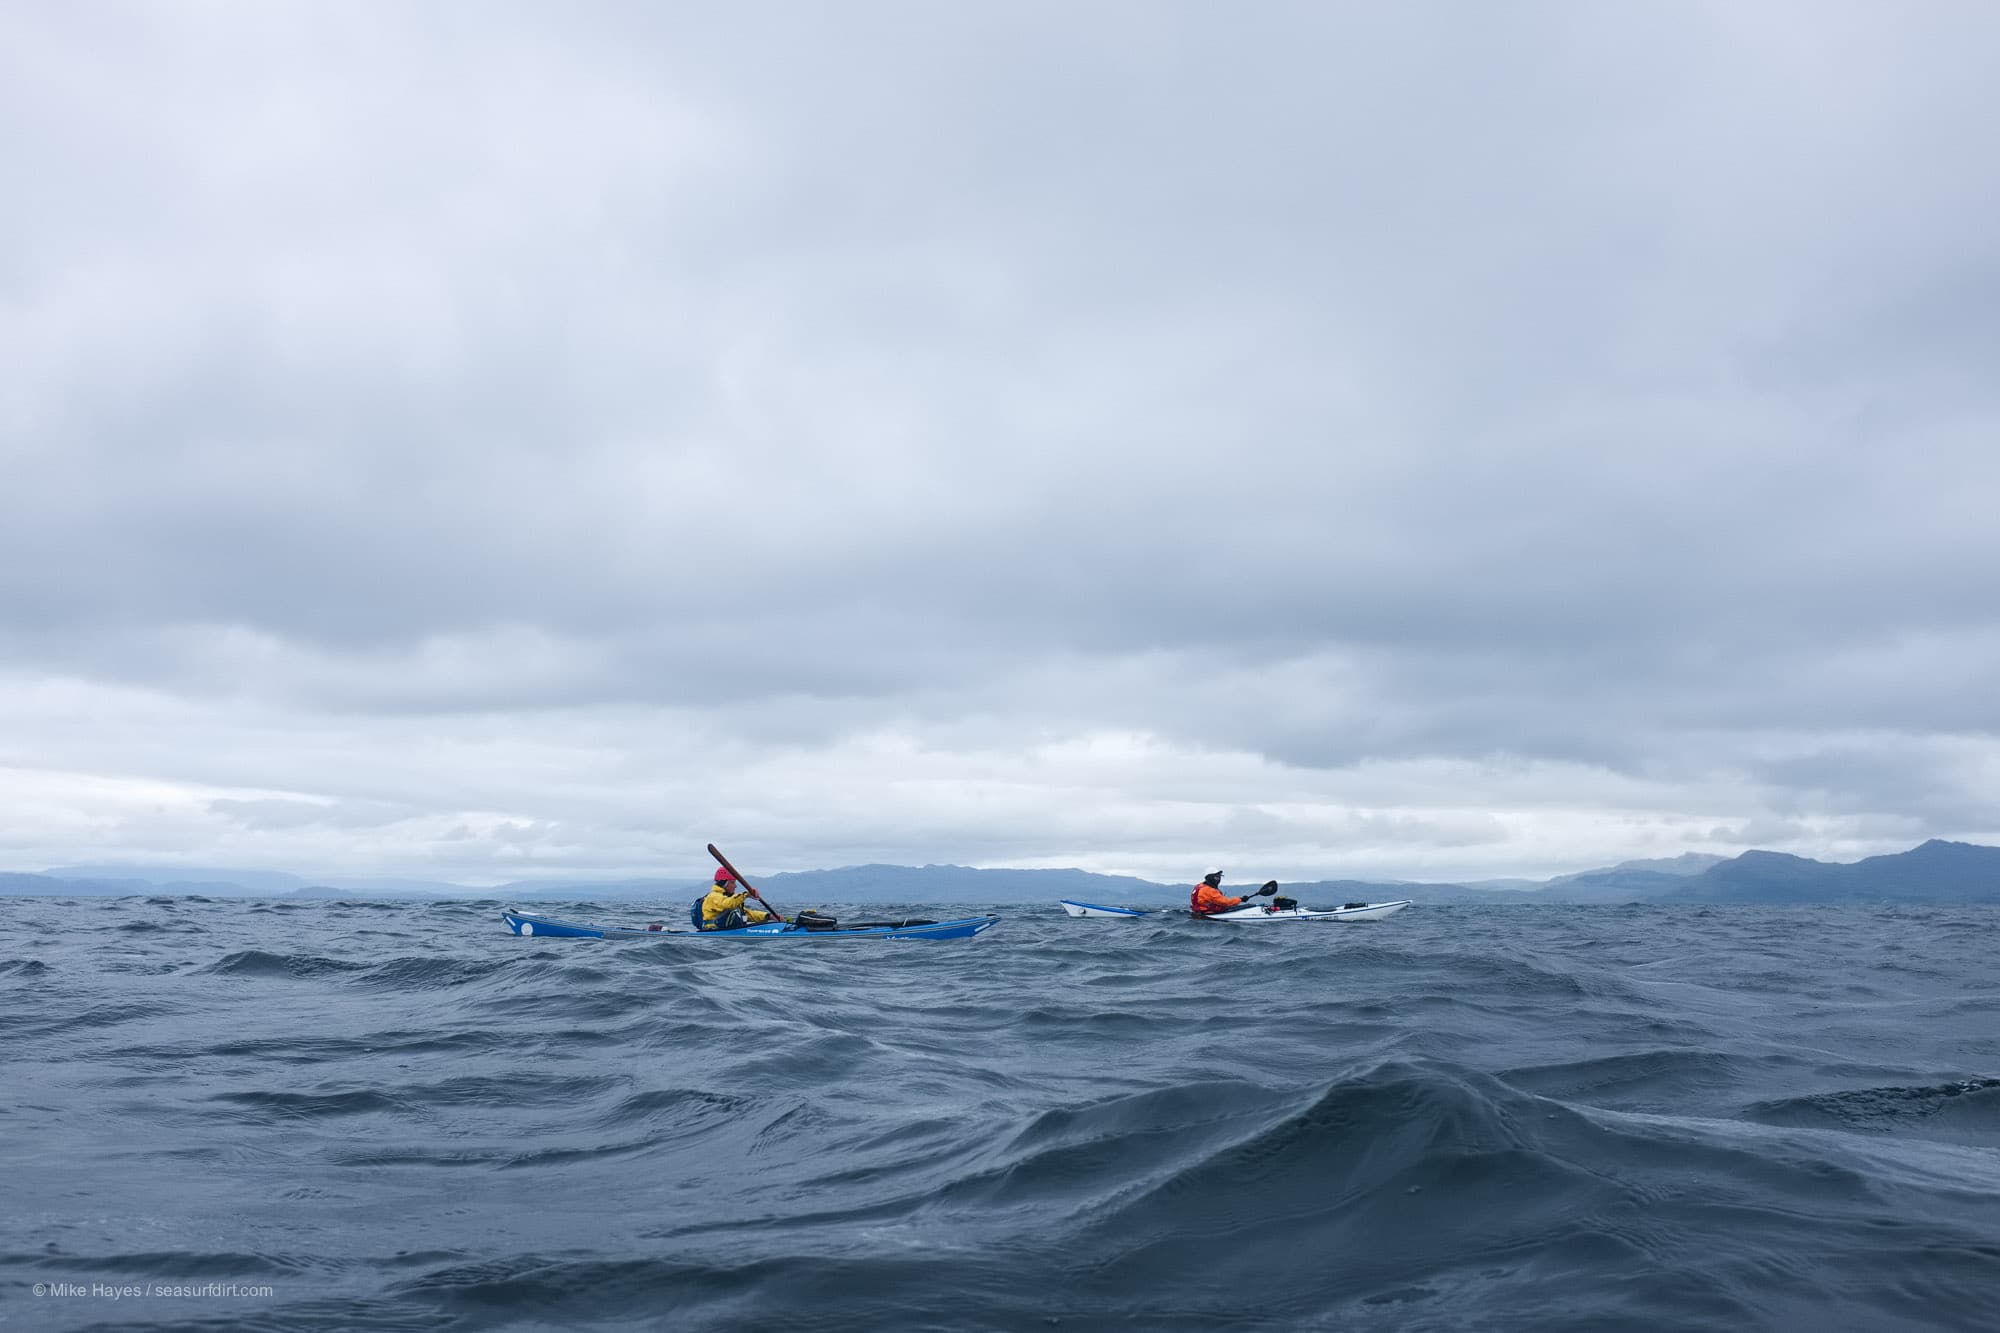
(1687, 863)
(50, 886)
(1612, 886)
(206, 880)
(1936, 872)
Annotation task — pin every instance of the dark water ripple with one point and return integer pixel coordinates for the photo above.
(400, 1117)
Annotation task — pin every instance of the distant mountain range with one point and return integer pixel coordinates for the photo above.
(1936, 872)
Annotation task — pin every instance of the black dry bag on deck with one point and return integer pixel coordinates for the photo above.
(810, 920)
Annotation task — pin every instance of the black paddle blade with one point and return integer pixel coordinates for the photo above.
(1270, 887)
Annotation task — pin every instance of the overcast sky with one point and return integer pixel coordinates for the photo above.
(484, 441)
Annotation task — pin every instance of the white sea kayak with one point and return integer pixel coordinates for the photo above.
(1093, 909)
(1258, 913)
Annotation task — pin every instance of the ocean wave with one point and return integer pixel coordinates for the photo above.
(270, 1106)
(1649, 1079)
(296, 966)
(422, 974)
(1959, 1108)
(1502, 1120)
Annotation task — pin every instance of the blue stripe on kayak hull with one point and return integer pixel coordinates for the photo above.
(527, 923)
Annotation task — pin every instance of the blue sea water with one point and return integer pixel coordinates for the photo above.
(395, 1116)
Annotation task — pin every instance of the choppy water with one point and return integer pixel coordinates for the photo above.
(397, 1116)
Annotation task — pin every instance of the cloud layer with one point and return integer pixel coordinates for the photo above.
(481, 440)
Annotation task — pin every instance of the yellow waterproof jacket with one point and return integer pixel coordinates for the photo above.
(717, 902)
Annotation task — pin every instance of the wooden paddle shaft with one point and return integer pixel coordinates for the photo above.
(723, 861)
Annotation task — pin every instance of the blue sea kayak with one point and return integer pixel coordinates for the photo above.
(527, 923)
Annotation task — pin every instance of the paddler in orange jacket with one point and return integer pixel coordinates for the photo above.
(724, 910)
(1208, 897)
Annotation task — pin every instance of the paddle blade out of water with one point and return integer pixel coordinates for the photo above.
(723, 861)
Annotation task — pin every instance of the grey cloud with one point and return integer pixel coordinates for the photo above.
(269, 814)
(1334, 386)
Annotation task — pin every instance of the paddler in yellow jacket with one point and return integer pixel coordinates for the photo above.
(723, 908)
